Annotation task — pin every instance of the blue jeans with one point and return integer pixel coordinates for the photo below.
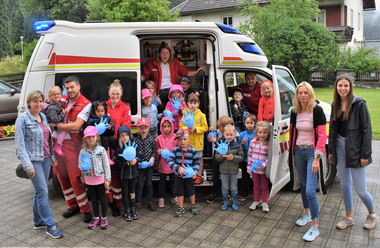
(147, 174)
(41, 207)
(349, 175)
(309, 181)
(229, 182)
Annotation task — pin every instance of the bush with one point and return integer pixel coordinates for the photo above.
(11, 65)
(28, 51)
(362, 59)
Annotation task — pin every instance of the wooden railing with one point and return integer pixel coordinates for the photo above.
(327, 79)
(14, 79)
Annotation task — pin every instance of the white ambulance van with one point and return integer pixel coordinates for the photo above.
(98, 53)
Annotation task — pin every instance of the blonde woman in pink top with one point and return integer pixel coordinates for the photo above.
(258, 150)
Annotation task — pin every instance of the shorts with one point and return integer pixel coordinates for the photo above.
(184, 185)
(200, 154)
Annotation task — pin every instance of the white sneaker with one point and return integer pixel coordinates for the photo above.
(254, 205)
(304, 220)
(265, 207)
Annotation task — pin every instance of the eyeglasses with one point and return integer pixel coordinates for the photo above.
(117, 94)
(58, 94)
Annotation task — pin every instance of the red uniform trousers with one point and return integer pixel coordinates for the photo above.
(69, 176)
(113, 193)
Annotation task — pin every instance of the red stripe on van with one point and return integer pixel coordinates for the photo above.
(232, 58)
(66, 59)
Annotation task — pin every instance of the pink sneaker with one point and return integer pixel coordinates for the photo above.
(58, 149)
(175, 200)
(104, 223)
(93, 223)
(161, 203)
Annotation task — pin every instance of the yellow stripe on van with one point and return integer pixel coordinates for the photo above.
(284, 137)
(327, 129)
(92, 66)
(233, 63)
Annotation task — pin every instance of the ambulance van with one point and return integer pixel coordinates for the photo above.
(99, 52)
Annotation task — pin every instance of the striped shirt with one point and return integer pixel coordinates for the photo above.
(256, 152)
(179, 157)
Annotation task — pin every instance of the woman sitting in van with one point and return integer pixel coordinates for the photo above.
(163, 70)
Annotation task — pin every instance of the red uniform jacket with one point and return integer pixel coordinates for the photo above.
(120, 115)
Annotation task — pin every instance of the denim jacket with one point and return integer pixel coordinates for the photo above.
(29, 139)
(99, 162)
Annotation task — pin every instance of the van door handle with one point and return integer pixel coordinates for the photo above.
(285, 127)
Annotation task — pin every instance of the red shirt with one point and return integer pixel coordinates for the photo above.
(120, 115)
(251, 97)
(152, 71)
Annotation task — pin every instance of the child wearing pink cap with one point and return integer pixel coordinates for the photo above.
(149, 111)
(93, 161)
(176, 92)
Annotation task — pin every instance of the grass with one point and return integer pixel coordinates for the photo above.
(11, 65)
(371, 96)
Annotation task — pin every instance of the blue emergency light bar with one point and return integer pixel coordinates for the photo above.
(44, 25)
(227, 29)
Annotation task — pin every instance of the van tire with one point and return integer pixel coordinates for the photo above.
(57, 186)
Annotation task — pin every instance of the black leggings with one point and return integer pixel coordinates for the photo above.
(108, 141)
(98, 194)
(162, 185)
(245, 178)
(128, 187)
(215, 178)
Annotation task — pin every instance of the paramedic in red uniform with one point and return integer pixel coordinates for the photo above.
(163, 71)
(251, 92)
(120, 114)
(67, 170)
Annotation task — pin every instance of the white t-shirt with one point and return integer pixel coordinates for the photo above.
(166, 81)
(84, 114)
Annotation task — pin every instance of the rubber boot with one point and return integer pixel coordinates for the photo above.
(134, 214)
(128, 216)
(225, 203)
(109, 158)
(234, 205)
(114, 209)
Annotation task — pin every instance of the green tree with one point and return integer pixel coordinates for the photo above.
(362, 59)
(96, 10)
(139, 11)
(28, 51)
(5, 45)
(285, 31)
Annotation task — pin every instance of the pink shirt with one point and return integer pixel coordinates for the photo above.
(305, 128)
(94, 180)
(45, 131)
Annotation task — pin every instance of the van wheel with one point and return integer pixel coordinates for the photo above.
(330, 173)
(57, 186)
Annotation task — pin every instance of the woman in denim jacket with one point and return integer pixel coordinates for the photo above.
(35, 150)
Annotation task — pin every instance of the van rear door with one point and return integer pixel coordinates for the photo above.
(284, 91)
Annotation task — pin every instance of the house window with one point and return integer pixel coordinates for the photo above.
(358, 21)
(321, 18)
(227, 21)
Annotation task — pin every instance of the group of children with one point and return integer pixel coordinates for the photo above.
(184, 141)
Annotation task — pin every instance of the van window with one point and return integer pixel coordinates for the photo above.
(94, 85)
(286, 85)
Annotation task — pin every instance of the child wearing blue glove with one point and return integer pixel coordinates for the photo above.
(196, 123)
(149, 84)
(229, 154)
(99, 118)
(182, 157)
(93, 161)
(258, 150)
(176, 104)
(127, 172)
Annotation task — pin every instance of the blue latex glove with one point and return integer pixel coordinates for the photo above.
(176, 103)
(165, 153)
(189, 119)
(86, 161)
(129, 152)
(144, 164)
(102, 126)
(168, 113)
(64, 93)
(256, 165)
(244, 114)
(222, 147)
(212, 134)
(189, 172)
(154, 101)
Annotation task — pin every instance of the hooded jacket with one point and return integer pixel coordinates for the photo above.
(238, 114)
(358, 134)
(249, 135)
(92, 119)
(226, 166)
(165, 141)
(123, 168)
(266, 106)
(200, 123)
(120, 115)
(178, 116)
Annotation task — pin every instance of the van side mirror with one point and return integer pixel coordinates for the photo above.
(13, 92)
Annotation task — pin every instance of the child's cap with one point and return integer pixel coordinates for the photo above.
(181, 132)
(143, 122)
(236, 89)
(186, 79)
(146, 93)
(90, 131)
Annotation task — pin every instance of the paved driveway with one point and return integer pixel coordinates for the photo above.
(211, 228)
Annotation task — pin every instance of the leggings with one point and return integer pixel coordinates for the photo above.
(98, 194)
(128, 190)
(348, 175)
(108, 141)
(260, 180)
(161, 187)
